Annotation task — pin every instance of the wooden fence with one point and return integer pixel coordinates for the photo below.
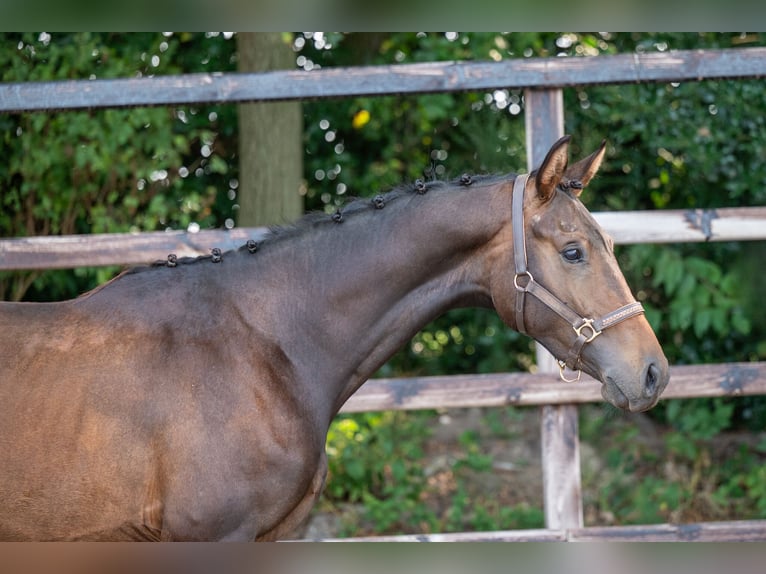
(542, 80)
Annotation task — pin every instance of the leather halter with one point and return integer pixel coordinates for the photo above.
(585, 329)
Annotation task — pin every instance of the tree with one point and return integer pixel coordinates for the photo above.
(270, 139)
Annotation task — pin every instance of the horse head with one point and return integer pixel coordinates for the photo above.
(565, 288)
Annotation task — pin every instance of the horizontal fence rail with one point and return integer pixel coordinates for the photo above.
(100, 249)
(516, 73)
(731, 531)
(528, 389)
(625, 227)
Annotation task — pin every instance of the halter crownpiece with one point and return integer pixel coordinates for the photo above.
(585, 329)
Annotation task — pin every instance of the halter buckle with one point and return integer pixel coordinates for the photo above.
(587, 323)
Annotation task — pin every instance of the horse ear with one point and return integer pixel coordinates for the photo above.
(552, 170)
(584, 170)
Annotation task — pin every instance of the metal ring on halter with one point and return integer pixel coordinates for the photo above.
(516, 280)
(587, 323)
(563, 366)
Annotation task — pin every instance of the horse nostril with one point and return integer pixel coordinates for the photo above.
(650, 382)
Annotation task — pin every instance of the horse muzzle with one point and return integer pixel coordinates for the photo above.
(637, 395)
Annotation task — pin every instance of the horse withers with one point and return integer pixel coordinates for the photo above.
(191, 400)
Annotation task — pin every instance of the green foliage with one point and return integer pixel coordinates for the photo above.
(683, 471)
(463, 340)
(474, 459)
(697, 296)
(700, 419)
(742, 492)
(377, 454)
(113, 170)
(376, 459)
(373, 459)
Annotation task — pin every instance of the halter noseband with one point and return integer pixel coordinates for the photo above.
(585, 329)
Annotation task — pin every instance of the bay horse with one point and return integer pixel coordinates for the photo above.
(191, 400)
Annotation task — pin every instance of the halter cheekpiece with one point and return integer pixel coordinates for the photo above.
(585, 329)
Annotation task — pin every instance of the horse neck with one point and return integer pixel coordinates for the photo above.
(370, 283)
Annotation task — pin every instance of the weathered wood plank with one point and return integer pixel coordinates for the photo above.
(530, 535)
(696, 225)
(544, 123)
(527, 389)
(455, 391)
(560, 447)
(731, 531)
(69, 251)
(673, 66)
(627, 227)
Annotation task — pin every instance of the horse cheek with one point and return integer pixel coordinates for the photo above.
(504, 296)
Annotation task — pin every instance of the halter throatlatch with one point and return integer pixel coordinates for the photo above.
(585, 329)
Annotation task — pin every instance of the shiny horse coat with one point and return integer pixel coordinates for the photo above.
(191, 400)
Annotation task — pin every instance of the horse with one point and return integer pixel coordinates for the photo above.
(190, 400)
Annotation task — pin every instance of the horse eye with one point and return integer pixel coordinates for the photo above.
(572, 254)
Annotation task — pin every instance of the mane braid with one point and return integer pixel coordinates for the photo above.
(315, 219)
(363, 204)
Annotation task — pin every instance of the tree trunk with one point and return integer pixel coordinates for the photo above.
(270, 140)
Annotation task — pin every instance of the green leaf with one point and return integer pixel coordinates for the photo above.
(355, 469)
(702, 321)
(740, 323)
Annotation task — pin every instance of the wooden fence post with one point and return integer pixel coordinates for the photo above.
(544, 116)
